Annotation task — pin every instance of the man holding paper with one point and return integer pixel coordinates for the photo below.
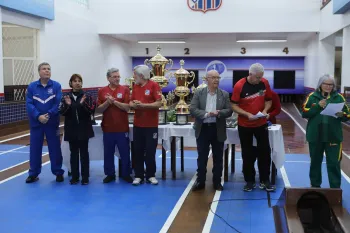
(251, 99)
(324, 133)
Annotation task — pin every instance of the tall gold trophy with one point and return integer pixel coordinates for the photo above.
(158, 70)
(130, 81)
(183, 79)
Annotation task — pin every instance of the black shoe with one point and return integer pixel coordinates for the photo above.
(218, 187)
(108, 179)
(249, 187)
(85, 181)
(198, 186)
(267, 186)
(32, 179)
(59, 178)
(128, 179)
(74, 181)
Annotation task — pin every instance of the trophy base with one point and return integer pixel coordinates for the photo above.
(162, 117)
(182, 119)
(131, 117)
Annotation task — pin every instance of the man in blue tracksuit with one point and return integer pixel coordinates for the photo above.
(42, 102)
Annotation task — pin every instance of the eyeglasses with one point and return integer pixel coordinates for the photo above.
(328, 84)
(217, 78)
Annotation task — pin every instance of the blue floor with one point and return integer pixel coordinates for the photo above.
(249, 216)
(10, 158)
(47, 206)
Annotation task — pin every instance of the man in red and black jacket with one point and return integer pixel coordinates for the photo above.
(250, 96)
(275, 108)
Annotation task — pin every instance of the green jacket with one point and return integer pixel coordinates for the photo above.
(321, 128)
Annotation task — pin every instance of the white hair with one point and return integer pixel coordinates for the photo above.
(256, 68)
(143, 70)
(324, 78)
(111, 71)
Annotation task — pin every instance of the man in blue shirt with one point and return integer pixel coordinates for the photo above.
(42, 102)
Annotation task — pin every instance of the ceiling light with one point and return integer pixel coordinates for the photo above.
(162, 42)
(258, 41)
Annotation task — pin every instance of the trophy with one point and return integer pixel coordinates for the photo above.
(158, 63)
(130, 81)
(183, 79)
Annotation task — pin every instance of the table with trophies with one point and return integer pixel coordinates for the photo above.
(171, 135)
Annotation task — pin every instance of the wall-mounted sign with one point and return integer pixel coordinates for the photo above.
(40, 8)
(204, 5)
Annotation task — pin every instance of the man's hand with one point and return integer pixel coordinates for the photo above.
(67, 100)
(251, 117)
(213, 114)
(109, 99)
(44, 118)
(267, 116)
(138, 104)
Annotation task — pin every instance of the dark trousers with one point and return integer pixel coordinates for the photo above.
(110, 141)
(263, 146)
(36, 145)
(145, 146)
(79, 149)
(207, 137)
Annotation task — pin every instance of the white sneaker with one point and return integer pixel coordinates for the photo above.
(137, 181)
(152, 180)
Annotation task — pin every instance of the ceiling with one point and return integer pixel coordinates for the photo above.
(218, 37)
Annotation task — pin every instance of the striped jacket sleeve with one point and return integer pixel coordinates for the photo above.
(310, 108)
(346, 110)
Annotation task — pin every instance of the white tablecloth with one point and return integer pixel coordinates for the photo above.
(165, 132)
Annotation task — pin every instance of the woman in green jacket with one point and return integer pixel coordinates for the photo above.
(324, 133)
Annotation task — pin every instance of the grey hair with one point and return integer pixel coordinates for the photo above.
(110, 71)
(256, 68)
(143, 70)
(43, 64)
(324, 78)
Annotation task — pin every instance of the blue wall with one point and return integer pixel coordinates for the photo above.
(341, 6)
(40, 8)
(226, 65)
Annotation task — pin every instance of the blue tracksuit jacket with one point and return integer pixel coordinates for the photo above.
(41, 100)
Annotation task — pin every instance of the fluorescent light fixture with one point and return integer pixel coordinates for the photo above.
(161, 42)
(260, 41)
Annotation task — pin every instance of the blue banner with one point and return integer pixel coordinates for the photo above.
(40, 8)
(341, 6)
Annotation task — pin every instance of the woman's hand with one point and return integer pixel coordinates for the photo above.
(339, 114)
(322, 103)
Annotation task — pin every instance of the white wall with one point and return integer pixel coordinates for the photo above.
(174, 16)
(331, 23)
(220, 49)
(311, 63)
(71, 44)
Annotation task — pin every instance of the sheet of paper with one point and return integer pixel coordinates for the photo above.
(259, 115)
(331, 109)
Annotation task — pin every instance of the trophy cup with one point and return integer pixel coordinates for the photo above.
(158, 63)
(130, 81)
(183, 79)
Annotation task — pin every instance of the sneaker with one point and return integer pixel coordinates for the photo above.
(32, 179)
(59, 178)
(127, 179)
(249, 187)
(85, 181)
(137, 181)
(108, 179)
(152, 180)
(267, 186)
(74, 181)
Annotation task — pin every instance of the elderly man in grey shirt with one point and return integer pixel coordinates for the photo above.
(210, 107)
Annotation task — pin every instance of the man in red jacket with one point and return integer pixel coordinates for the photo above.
(271, 118)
